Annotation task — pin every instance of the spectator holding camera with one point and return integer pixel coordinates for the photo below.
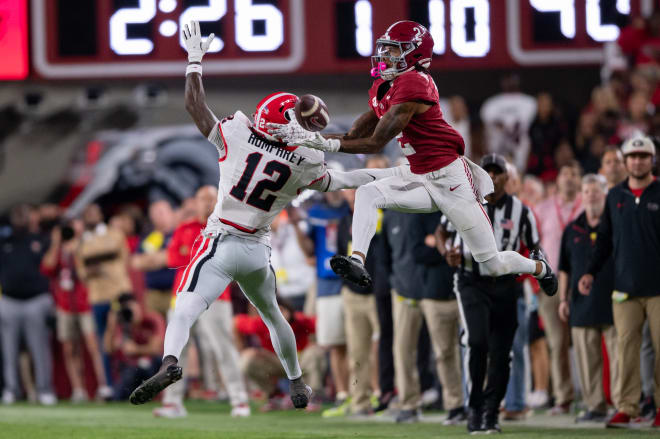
(73, 310)
(101, 263)
(136, 337)
(590, 316)
(630, 231)
(25, 305)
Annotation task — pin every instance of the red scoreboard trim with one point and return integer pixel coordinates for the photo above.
(13, 40)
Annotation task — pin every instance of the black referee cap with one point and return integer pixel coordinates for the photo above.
(494, 160)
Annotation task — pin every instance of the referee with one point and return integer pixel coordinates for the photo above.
(489, 304)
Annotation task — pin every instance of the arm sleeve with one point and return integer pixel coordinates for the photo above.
(422, 253)
(603, 242)
(529, 230)
(565, 252)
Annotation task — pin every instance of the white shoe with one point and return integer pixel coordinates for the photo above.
(78, 396)
(538, 399)
(171, 411)
(104, 393)
(47, 399)
(430, 396)
(240, 411)
(8, 397)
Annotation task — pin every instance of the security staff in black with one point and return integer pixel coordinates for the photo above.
(488, 304)
(630, 230)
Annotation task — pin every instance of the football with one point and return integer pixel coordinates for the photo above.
(311, 113)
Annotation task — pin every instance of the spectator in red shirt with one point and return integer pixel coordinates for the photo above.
(261, 365)
(135, 336)
(641, 40)
(73, 310)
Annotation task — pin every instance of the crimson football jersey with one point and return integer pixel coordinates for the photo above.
(428, 141)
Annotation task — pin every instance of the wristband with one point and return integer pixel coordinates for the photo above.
(194, 68)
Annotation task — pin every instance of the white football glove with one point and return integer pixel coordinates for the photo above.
(192, 38)
(289, 132)
(317, 141)
(295, 135)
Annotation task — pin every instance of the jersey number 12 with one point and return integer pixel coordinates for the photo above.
(239, 191)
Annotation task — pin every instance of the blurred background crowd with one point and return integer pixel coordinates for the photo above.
(87, 272)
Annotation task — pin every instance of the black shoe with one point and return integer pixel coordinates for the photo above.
(300, 392)
(455, 416)
(549, 282)
(647, 408)
(384, 401)
(407, 417)
(475, 421)
(170, 372)
(491, 424)
(350, 269)
(590, 416)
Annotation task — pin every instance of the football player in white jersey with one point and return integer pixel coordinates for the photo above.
(259, 176)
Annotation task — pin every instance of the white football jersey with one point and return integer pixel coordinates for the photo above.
(258, 178)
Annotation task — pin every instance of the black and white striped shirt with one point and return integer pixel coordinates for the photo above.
(514, 225)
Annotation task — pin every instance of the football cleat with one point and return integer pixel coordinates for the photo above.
(548, 282)
(301, 393)
(170, 372)
(350, 269)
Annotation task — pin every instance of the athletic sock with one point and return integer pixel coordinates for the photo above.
(365, 217)
(544, 271)
(283, 340)
(188, 308)
(357, 258)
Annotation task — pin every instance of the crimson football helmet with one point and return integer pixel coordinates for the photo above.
(415, 45)
(274, 108)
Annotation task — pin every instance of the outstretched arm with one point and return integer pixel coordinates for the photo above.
(196, 104)
(362, 139)
(195, 97)
(362, 127)
(391, 124)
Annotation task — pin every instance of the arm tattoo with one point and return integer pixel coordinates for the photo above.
(195, 99)
(392, 123)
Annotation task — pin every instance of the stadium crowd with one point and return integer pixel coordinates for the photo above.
(85, 300)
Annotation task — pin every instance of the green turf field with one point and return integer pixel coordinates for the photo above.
(210, 420)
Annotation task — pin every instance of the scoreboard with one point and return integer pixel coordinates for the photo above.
(77, 39)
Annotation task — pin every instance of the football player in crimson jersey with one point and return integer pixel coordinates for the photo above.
(259, 176)
(404, 104)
